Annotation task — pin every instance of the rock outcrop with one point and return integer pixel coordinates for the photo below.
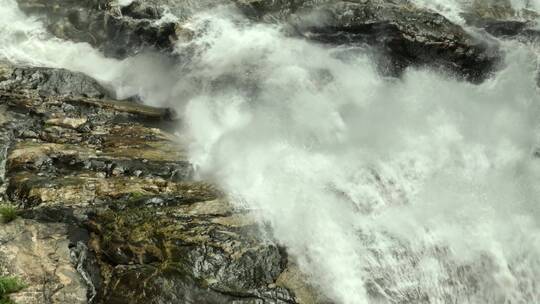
(405, 35)
(402, 34)
(111, 212)
(499, 19)
(48, 81)
(39, 254)
(118, 31)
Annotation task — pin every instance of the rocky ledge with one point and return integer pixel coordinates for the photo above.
(109, 211)
(401, 33)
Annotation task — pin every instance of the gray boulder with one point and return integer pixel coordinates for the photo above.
(49, 81)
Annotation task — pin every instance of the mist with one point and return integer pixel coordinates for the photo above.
(382, 190)
(371, 181)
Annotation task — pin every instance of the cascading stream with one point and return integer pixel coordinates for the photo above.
(418, 190)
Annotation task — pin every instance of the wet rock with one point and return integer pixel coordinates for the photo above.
(505, 28)
(142, 10)
(66, 122)
(118, 31)
(97, 111)
(498, 10)
(89, 188)
(208, 260)
(499, 19)
(144, 153)
(525, 31)
(293, 279)
(114, 192)
(48, 81)
(160, 286)
(407, 35)
(6, 138)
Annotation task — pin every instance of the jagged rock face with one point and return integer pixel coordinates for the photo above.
(108, 197)
(119, 32)
(205, 251)
(404, 34)
(47, 81)
(501, 10)
(499, 19)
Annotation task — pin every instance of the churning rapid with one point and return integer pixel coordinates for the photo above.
(382, 190)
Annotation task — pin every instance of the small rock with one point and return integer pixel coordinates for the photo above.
(67, 122)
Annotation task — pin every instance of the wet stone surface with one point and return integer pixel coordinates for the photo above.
(109, 206)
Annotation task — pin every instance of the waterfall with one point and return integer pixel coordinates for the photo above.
(422, 189)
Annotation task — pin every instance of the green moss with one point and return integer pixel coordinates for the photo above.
(6, 301)
(137, 195)
(8, 213)
(9, 285)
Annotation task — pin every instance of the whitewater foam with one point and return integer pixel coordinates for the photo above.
(417, 190)
(391, 185)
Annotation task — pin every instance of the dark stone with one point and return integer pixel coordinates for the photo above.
(160, 286)
(142, 10)
(405, 35)
(119, 32)
(49, 81)
(174, 260)
(140, 229)
(505, 28)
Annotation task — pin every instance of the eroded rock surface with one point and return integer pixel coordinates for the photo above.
(500, 19)
(48, 81)
(103, 23)
(110, 210)
(39, 254)
(405, 35)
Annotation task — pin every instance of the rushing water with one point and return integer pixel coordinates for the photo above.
(384, 191)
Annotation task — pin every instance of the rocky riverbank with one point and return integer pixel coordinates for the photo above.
(109, 211)
(108, 207)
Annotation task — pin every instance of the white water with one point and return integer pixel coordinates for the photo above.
(423, 189)
(453, 8)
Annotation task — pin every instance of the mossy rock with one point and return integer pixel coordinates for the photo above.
(229, 259)
(9, 285)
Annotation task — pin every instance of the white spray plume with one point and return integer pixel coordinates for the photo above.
(351, 169)
(423, 189)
